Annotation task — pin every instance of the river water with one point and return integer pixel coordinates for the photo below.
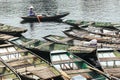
(88, 10)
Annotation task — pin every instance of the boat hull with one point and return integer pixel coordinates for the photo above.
(44, 18)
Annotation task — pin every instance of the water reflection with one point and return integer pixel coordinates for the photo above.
(31, 26)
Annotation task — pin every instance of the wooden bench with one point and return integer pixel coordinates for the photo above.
(30, 68)
(65, 61)
(78, 71)
(5, 45)
(14, 52)
(44, 44)
(110, 59)
(21, 58)
(20, 64)
(30, 42)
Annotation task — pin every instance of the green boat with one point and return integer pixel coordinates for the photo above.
(80, 23)
(40, 47)
(75, 68)
(11, 30)
(27, 64)
(85, 35)
(109, 60)
(82, 43)
(102, 31)
(7, 73)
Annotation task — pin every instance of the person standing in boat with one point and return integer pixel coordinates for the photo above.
(31, 12)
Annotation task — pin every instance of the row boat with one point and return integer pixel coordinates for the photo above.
(72, 41)
(40, 47)
(102, 31)
(26, 64)
(44, 17)
(7, 72)
(109, 60)
(11, 30)
(80, 23)
(75, 68)
(84, 35)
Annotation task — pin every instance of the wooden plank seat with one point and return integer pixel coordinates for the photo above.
(112, 70)
(86, 75)
(20, 64)
(65, 61)
(78, 71)
(66, 39)
(44, 44)
(30, 42)
(110, 59)
(29, 68)
(6, 45)
(45, 73)
(115, 74)
(21, 58)
(5, 37)
(13, 52)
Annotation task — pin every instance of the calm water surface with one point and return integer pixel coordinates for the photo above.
(88, 10)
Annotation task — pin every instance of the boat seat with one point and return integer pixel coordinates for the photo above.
(20, 64)
(110, 59)
(110, 62)
(65, 61)
(44, 44)
(21, 58)
(30, 42)
(14, 52)
(29, 68)
(76, 71)
(5, 45)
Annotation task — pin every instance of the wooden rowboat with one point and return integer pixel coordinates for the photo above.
(45, 47)
(73, 67)
(72, 41)
(102, 31)
(52, 17)
(16, 31)
(7, 72)
(108, 25)
(110, 61)
(28, 65)
(84, 35)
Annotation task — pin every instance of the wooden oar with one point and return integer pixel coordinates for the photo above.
(64, 74)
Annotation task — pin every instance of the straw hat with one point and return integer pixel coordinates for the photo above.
(31, 7)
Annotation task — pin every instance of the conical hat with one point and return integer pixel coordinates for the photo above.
(31, 7)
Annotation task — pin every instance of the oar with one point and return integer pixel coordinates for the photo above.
(64, 74)
(99, 72)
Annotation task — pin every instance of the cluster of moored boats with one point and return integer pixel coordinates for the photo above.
(90, 51)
